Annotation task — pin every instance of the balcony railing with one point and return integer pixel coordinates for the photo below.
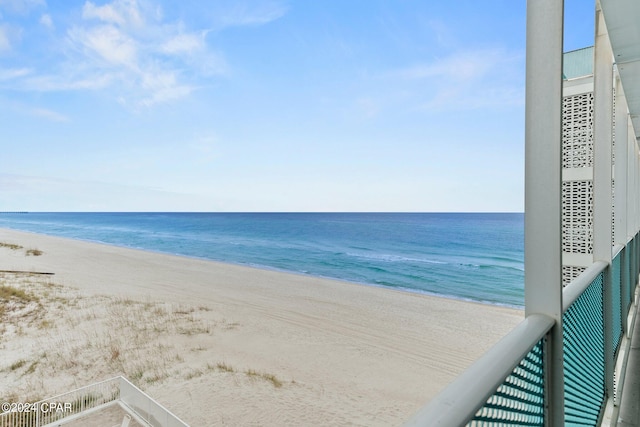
(64, 408)
(507, 385)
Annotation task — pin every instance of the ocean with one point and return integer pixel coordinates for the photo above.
(468, 256)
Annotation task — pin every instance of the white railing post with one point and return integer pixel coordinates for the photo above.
(543, 186)
(602, 200)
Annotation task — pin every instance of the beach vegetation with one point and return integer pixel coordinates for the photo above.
(136, 375)
(8, 293)
(155, 378)
(195, 329)
(141, 339)
(125, 301)
(229, 326)
(224, 367)
(194, 374)
(11, 246)
(159, 311)
(272, 379)
(45, 324)
(33, 252)
(277, 383)
(32, 368)
(115, 352)
(183, 309)
(17, 364)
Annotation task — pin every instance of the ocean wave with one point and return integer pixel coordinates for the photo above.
(389, 258)
(394, 258)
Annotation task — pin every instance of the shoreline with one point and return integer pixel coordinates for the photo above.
(343, 353)
(283, 271)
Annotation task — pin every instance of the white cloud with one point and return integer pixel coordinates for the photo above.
(70, 81)
(5, 44)
(241, 13)
(47, 21)
(122, 47)
(21, 6)
(468, 80)
(119, 12)
(128, 49)
(461, 66)
(49, 115)
(107, 43)
(183, 43)
(162, 87)
(13, 73)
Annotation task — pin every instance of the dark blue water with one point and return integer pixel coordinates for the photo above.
(472, 256)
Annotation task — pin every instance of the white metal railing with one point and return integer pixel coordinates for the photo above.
(460, 402)
(81, 402)
(47, 411)
(143, 406)
(578, 285)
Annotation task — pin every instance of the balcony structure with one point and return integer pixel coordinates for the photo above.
(111, 403)
(575, 359)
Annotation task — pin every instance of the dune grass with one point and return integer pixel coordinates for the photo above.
(105, 335)
(16, 247)
(11, 246)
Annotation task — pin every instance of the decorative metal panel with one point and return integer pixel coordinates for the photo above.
(577, 131)
(577, 217)
(625, 279)
(519, 401)
(616, 303)
(584, 361)
(570, 272)
(577, 196)
(613, 211)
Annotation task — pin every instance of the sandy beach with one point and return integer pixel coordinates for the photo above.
(220, 344)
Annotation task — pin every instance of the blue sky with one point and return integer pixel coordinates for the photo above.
(265, 105)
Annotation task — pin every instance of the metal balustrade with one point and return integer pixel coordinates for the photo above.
(486, 395)
(582, 196)
(584, 356)
(58, 410)
(519, 400)
(65, 405)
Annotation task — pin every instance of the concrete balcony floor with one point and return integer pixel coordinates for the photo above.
(110, 416)
(629, 415)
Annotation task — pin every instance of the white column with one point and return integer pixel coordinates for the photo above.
(633, 159)
(602, 139)
(543, 185)
(630, 180)
(602, 201)
(636, 161)
(620, 168)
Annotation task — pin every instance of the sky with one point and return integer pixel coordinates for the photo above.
(266, 105)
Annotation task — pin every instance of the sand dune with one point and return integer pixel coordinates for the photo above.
(221, 344)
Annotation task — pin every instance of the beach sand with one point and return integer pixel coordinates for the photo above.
(221, 344)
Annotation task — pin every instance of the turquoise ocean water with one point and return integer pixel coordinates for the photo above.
(469, 256)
